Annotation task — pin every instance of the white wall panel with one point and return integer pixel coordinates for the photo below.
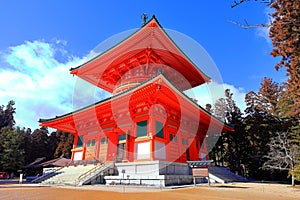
(142, 150)
(159, 150)
(78, 155)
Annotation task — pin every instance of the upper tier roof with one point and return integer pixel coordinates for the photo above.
(147, 46)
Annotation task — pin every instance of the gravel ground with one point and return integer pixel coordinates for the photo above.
(247, 191)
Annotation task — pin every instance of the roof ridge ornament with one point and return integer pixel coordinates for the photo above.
(144, 18)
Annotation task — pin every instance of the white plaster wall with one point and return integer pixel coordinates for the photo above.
(78, 155)
(142, 150)
(159, 150)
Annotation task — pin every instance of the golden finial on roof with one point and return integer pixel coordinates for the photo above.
(144, 18)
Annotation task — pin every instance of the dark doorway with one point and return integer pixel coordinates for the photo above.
(187, 153)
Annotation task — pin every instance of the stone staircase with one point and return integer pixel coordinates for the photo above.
(47, 175)
(68, 175)
(96, 174)
(224, 175)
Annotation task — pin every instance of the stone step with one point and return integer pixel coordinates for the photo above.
(68, 175)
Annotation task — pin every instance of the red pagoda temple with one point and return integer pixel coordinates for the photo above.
(148, 117)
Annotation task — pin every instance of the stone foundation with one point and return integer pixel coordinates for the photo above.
(154, 173)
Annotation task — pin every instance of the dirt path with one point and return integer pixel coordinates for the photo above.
(247, 191)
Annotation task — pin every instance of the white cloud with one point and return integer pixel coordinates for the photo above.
(209, 93)
(36, 76)
(264, 31)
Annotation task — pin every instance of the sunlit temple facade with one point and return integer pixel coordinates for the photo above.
(147, 117)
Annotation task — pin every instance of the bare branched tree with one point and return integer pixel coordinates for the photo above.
(237, 3)
(282, 154)
(246, 25)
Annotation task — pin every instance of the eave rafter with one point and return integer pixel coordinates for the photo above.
(144, 60)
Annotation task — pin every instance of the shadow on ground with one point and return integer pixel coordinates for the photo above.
(231, 186)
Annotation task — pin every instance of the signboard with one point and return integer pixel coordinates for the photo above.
(200, 172)
(200, 169)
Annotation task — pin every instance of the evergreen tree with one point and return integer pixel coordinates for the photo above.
(41, 144)
(12, 154)
(267, 114)
(27, 145)
(285, 34)
(259, 125)
(227, 149)
(7, 115)
(64, 144)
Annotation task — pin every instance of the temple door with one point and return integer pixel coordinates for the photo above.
(121, 152)
(103, 148)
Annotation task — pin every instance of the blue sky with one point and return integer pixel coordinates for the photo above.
(41, 40)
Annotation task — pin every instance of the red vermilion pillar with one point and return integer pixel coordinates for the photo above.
(131, 143)
(193, 149)
(74, 144)
(127, 145)
(205, 148)
(83, 150)
(180, 146)
(97, 147)
(151, 133)
(112, 146)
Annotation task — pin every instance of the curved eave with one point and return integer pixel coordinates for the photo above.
(92, 70)
(69, 118)
(216, 121)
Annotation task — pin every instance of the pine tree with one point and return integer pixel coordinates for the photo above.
(41, 145)
(12, 155)
(261, 123)
(7, 115)
(227, 148)
(27, 145)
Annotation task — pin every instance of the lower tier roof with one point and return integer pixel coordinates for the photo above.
(157, 90)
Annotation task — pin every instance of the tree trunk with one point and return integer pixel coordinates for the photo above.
(293, 174)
